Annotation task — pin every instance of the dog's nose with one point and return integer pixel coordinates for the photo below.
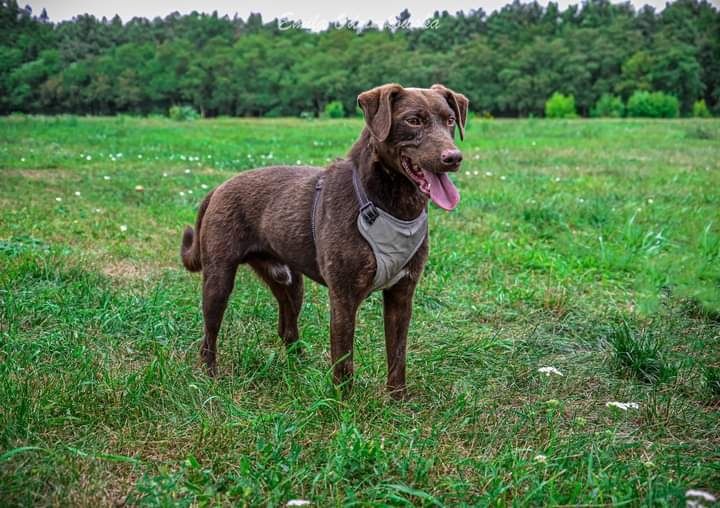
(451, 157)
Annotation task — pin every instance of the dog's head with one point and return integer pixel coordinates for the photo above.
(413, 133)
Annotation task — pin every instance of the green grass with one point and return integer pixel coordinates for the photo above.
(565, 229)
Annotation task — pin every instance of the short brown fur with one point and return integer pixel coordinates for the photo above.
(263, 218)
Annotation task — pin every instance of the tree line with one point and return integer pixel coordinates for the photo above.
(508, 62)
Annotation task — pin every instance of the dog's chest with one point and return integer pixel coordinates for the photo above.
(394, 242)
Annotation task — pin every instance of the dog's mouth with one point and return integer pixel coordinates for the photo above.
(437, 186)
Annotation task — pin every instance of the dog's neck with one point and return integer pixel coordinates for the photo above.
(385, 186)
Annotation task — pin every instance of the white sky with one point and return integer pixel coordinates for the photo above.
(315, 15)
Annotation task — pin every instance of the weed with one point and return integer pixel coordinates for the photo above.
(641, 354)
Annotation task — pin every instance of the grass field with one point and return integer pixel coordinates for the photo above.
(588, 246)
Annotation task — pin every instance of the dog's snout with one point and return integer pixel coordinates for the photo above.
(451, 157)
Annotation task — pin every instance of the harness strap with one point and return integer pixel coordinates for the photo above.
(367, 208)
(368, 211)
(316, 197)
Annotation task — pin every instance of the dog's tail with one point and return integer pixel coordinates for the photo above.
(190, 249)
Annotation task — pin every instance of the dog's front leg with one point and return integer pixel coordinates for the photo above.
(397, 307)
(343, 310)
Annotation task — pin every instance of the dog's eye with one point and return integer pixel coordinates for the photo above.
(451, 121)
(414, 121)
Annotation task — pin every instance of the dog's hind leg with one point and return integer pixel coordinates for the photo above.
(218, 282)
(287, 287)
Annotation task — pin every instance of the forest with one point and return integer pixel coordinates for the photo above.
(508, 62)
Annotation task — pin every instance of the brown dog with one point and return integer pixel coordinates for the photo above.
(290, 221)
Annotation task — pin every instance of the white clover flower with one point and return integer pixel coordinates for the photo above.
(488, 173)
(540, 458)
(533, 143)
(139, 156)
(557, 178)
(503, 178)
(549, 370)
(88, 158)
(181, 193)
(477, 157)
(298, 162)
(187, 171)
(298, 502)
(22, 159)
(182, 157)
(209, 156)
(97, 210)
(77, 193)
(106, 177)
(165, 175)
(189, 192)
(475, 173)
(623, 405)
(58, 199)
(139, 188)
(118, 155)
(123, 227)
(650, 201)
(204, 186)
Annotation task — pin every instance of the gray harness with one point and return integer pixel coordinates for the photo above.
(393, 241)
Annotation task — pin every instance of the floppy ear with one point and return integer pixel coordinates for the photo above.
(459, 104)
(377, 108)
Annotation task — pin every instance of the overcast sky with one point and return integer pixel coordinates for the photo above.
(313, 15)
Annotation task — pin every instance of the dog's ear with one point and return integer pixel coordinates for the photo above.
(377, 108)
(459, 104)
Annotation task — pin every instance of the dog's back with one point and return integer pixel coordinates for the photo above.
(264, 210)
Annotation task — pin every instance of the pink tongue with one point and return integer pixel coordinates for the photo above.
(442, 191)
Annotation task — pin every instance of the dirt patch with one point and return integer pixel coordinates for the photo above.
(43, 174)
(126, 270)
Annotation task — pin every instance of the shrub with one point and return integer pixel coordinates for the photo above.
(653, 105)
(608, 105)
(560, 106)
(183, 113)
(334, 109)
(700, 109)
